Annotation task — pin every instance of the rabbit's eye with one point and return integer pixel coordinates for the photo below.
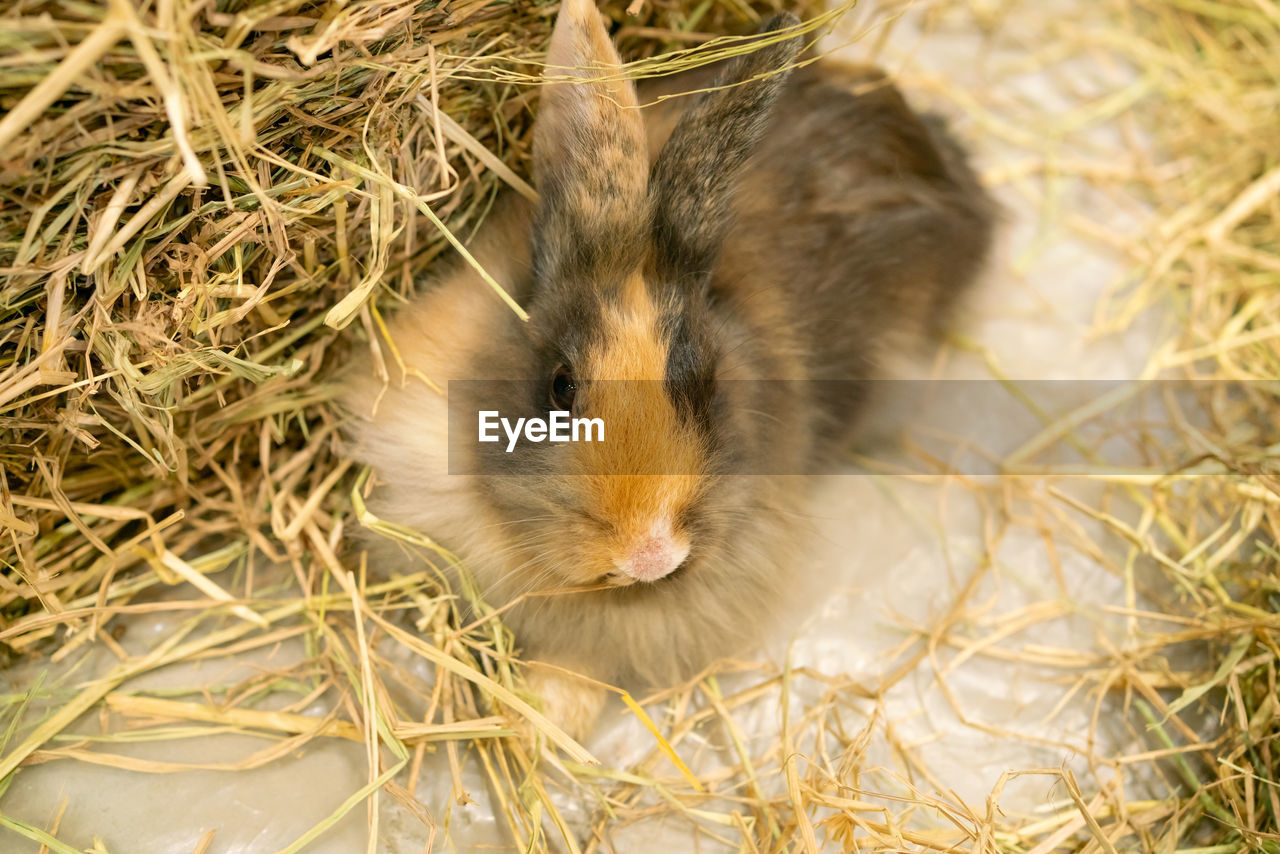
(563, 389)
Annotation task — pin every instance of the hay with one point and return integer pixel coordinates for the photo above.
(205, 207)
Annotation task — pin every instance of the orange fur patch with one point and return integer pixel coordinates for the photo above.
(660, 455)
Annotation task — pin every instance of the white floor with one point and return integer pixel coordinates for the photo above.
(892, 554)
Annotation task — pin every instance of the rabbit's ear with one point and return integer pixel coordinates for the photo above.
(590, 158)
(693, 178)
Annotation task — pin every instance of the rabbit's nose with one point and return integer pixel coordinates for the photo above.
(655, 556)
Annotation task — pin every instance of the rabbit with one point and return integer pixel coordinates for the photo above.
(740, 260)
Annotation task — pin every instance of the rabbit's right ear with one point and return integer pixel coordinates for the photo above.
(590, 157)
(692, 181)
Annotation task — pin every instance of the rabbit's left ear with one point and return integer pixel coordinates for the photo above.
(590, 157)
(697, 169)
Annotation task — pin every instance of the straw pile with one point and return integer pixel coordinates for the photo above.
(204, 206)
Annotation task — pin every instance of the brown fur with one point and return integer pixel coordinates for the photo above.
(719, 279)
